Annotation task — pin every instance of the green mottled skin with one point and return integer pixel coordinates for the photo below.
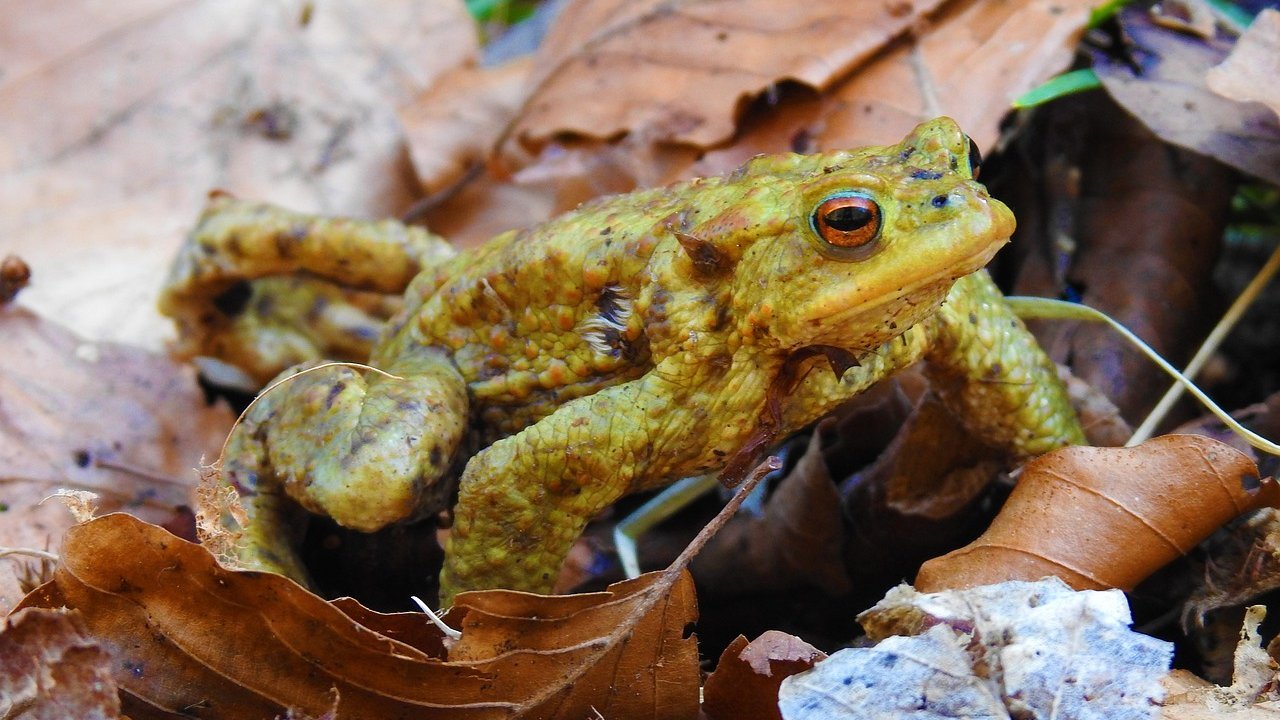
(640, 339)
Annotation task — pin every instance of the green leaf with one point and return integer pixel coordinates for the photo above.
(1065, 84)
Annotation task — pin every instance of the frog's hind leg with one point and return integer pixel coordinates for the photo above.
(363, 448)
(263, 288)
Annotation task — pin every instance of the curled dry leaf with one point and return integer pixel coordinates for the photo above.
(744, 685)
(1107, 517)
(187, 633)
(120, 422)
(51, 668)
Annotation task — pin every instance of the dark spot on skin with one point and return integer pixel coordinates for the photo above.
(973, 318)
(636, 352)
(610, 304)
(722, 36)
(719, 363)
(893, 325)
(926, 174)
(435, 457)
(954, 163)
(232, 301)
(334, 391)
(234, 246)
(718, 452)
(939, 201)
(708, 259)
(906, 153)
(606, 231)
(995, 371)
(721, 318)
(284, 246)
(81, 458)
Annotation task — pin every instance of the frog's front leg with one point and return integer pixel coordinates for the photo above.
(988, 368)
(524, 500)
(360, 447)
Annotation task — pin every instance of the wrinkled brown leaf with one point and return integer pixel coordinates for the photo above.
(1249, 73)
(678, 72)
(969, 62)
(744, 685)
(1107, 517)
(1167, 93)
(50, 668)
(119, 121)
(187, 633)
(118, 421)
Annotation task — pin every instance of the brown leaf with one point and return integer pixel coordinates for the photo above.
(126, 424)
(1249, 73)
(1112, 213)
(744, 685)
(452, 126)
(1107, 517)
(678, 72)
(969, 62)
(117, 123)
(185, 631)
(1162, 82)
(51, 668)
(796, 542)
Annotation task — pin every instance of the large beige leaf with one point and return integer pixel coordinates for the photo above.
(118, 119)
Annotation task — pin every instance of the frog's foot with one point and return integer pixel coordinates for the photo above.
(365, 449)
(219, 294)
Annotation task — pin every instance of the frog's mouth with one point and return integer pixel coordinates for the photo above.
(862, 325)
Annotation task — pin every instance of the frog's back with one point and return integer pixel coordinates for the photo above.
(537, 317)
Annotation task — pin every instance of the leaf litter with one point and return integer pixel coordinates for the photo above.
(272, 122)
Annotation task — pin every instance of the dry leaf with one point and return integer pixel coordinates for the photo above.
(678, 72)
(1111, 213)
(123, 423)
(1249, 73)
(1162, 83)
(451, 127)
(186, 633)
(744, 685)
(1107, 517)
(118, 121)
(796, 542)
(51, 668)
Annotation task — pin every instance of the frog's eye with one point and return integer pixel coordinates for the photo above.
(975, 158)
(847, 221)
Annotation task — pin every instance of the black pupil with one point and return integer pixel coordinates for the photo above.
(975, 158)
(847, 218)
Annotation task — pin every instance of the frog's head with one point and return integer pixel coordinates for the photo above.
(871, 241)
